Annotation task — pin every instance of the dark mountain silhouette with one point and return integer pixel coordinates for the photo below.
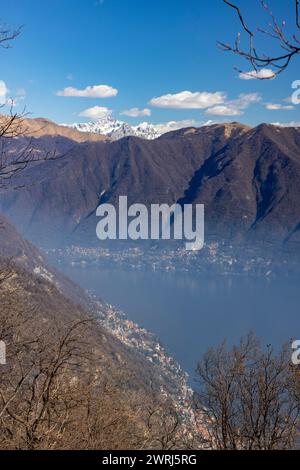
(248, 179)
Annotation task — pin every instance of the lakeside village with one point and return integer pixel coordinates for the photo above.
(214, 258)
(147, 344)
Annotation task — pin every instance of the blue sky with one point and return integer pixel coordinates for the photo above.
(139, 50)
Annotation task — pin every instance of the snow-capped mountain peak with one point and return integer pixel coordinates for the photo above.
(115, 129)
(146, 130)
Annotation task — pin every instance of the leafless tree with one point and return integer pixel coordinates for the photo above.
(246, 398)
(288, 44)
(17, 150)
(163, 427)
(8, 34)
(6, 270)
(59, 389)
(41, 387)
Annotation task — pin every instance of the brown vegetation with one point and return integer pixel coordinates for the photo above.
(68, 384)
(249, 397)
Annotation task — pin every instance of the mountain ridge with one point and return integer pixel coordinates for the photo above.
(115, 129)
(40, 127)
(247, 178)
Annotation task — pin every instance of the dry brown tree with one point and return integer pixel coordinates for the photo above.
(53, 394)
(42, 384)
(6, 270)
(63, 385)
(248, 398)
(11, 123)
(288, 42)
(18, 151)
(162, 427)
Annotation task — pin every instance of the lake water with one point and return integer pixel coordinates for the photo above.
(191, 313)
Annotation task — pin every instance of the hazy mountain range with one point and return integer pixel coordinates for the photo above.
(248, 179)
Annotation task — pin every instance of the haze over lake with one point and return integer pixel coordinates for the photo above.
(190, 313)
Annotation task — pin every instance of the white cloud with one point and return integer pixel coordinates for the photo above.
(278, 107)
(95, 91)
(215, 104)
(189, 100)
(96, 112)
(224, 110)
(235, 107)
(20, 95)
(3, 92)
(175, 125)
(286, 124)
(136, 112)
(259, 74)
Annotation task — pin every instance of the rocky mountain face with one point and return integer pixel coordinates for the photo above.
(115, 129)
(248, 179)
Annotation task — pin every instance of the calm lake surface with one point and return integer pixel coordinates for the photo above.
(190, 313)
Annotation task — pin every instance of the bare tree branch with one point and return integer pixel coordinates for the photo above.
(278, 62)
(7, 35)
(248, 397)
(17, 151)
